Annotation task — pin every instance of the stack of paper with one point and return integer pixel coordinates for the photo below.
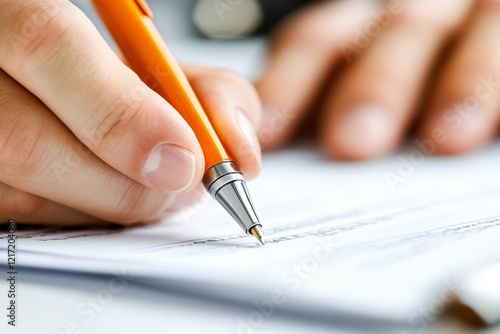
(341, 238)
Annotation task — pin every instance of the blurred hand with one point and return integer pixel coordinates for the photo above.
(83, 140)
(399, 65)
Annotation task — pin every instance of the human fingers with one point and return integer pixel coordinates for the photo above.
(31, 209)
(370, 110)
(464, 111)
(302, 55)
(52, 49)
(40, 156)
(234, 109)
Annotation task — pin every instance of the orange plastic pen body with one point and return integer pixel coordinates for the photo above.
(130, 23)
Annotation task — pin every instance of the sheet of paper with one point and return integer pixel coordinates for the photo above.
(340, 237)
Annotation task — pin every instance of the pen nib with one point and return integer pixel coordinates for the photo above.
(257, 232)
(234, 197)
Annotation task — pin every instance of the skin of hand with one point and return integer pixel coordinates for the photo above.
(84, 141)
(367, 73)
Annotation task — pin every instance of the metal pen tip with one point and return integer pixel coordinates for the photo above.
(227, 185)
(257, 233)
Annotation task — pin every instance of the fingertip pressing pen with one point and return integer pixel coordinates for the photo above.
(130, 23)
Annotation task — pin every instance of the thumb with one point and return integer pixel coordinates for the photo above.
(70, 68)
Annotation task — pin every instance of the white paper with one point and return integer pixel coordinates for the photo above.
(339, 238)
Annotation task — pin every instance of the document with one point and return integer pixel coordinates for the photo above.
(386, 239)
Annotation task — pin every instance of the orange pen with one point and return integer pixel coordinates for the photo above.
(130, 23)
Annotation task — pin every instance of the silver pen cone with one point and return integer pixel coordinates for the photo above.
(228, 186)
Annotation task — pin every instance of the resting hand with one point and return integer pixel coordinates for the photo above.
(374, 71)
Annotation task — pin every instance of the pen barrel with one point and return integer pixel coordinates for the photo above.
(130, 24)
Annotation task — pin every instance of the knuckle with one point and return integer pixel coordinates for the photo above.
(224, 75)
(315, 27)
(37, 29)
(229, 77)
(218, 80)
(228, 74)
(428, 15)
(115, 120)
(21, 145)
(18, 204)
(215, 85)
(26, 205)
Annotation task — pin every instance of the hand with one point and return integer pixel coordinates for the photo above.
(84, 141)
(374, 71)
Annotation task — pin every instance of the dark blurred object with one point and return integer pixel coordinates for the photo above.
(478, 295)
(226, 19)
(276, 10)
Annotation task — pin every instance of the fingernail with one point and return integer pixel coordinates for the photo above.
(367, 131)
(170, 168)
(249, 132)
(460, 128)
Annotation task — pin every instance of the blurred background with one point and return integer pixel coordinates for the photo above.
(201, 32)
